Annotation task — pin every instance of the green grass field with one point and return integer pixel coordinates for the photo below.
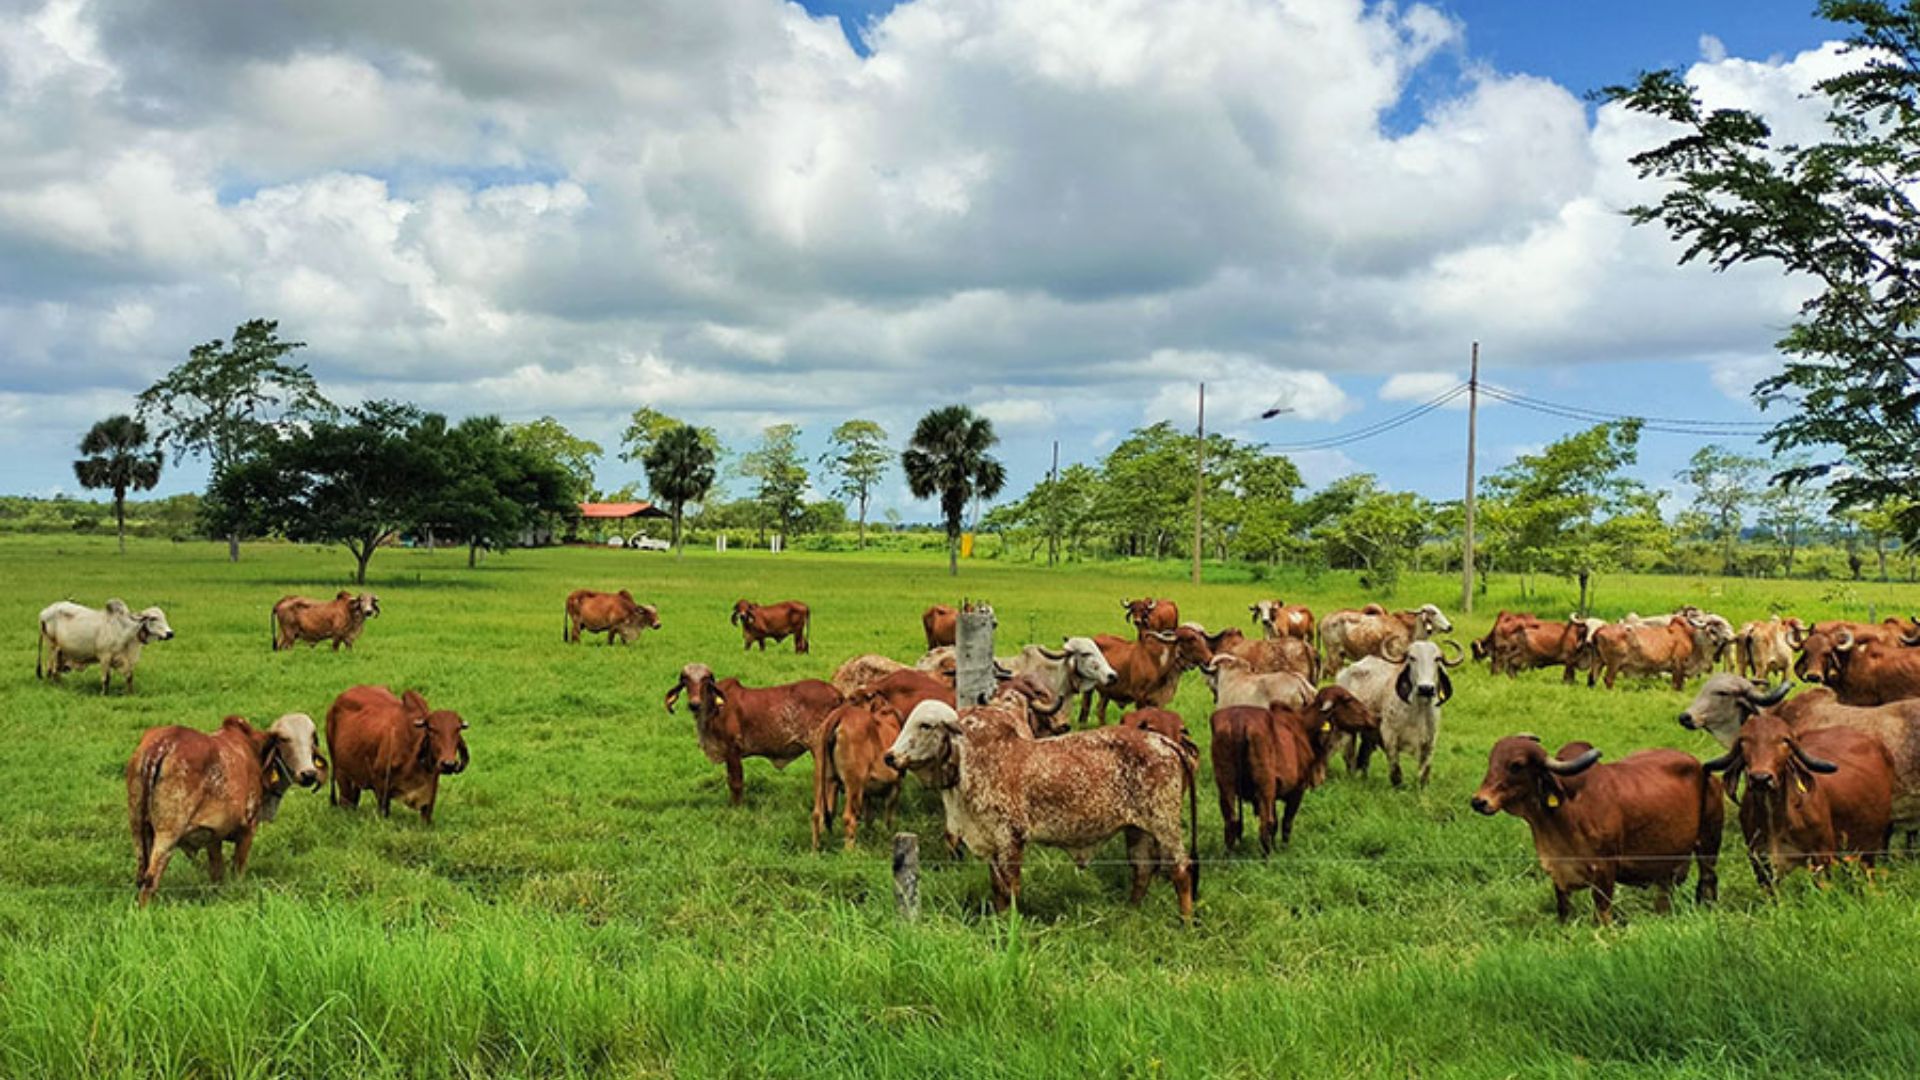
(586, 902)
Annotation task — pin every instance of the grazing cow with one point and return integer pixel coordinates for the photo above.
(864, 670)
(848, 753)
(1147, 614)
(1869, 673)
(942, 624)
(1003, 791)
(1149, 669)
(1636, 821)
(1234, 682)
(1726, 701)
(1681, 648)
(737, 722)
(395, 747)
(760, 622)
(1764, 648)
(615, 614)
(1407, 697)
(1818, 645)
(1349, 635)
(1520, 642)
(1811, 795)
(339, 620)
(1277, 754)
(188, 789)
(1067, 672)
(78, 636)
(1278, 619)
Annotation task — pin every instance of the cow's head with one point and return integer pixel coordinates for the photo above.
(649, 617)
(442, 748)
(1086, 663)
(153, 625)
(703, 693)
(1423, 676)
(1522, 777)
(297, 745)
(742, 612)
(1266, 613)
(367, 604)
(1335, 709)
(1189, 645)
(1432, 621)
(1769, 753)
(1139, 612)
(1824, 655)
(924, 746)
(1724, 703)
(1221, 665)
(1033, 700)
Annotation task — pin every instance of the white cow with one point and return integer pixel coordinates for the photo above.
(112, 638)
(1234, 682)
(1073, 669)
(1406, 695)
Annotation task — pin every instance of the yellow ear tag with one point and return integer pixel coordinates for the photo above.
(1553, 801)
(1800, 783)
(1326, 725)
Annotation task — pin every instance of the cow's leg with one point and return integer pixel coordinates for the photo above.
(217, 861)
(1230, 816)
(736, 779)
(336, 644)
(1603, 898)
(1426, 761)
(242, 851)
(856, 804)
(156, 864)
(1086, 705)
(385, 795)
(1263, 806)
(1140, 852)
(893, 803)
(1562, 903)
(1393, 764)
(426, 813)
(1286, 821)
(1680, 677)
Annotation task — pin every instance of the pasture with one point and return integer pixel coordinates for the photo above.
(586, 902)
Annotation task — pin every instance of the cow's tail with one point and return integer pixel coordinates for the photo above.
(823, 741)
(806, 631)
(148, 767)
(39, 648)
(1189, 765)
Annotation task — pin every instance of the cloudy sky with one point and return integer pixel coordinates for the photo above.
(1065, 213)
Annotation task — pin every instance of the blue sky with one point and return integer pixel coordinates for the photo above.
(1063, 213)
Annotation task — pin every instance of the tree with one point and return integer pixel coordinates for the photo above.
(1837, 210)
(948, 458)
(119, 460)
(228, 399)
(356, 480)
(680, 466)
(550, 441)
(780, 479)
(1724, 483)
(490, 488)
(1570, 509)
(859, 456)
(1358, 523)
(1789, 512)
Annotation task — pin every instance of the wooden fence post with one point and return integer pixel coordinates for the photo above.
(906, 875)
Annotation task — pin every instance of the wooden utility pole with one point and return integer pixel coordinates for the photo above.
(1053, 508)
(1199, 479)
(1466, 548)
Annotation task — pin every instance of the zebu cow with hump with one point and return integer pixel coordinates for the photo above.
(1003, 790)
(1349, 635)
(615, 614)
(78, 636)
(1764, 648)
(1521, 642)
(1862, 670)
(1149, 669)
(1075, 668)
(1275, 755)
(1234, 682)
(1266, 655)
(339, 620)
(1148, 613)
(195, 791)
(1725, 702)
(397, 747)
(762, 622)
(1637, 821)
(1406, 695)
(736, 722)
(1682, 647)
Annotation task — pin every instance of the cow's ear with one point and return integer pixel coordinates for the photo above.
(1446, 687)
(1403, 686)
(415, 705)
(1552, 792)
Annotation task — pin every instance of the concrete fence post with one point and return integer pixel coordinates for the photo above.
(973, 655)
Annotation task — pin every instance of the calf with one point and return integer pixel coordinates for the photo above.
(1350, 635)
(339, 620)
(1148, 670)
(1277, 754)
(735, 722)
(848, 754)
(1003, 791)
(1150, 614)
(615, 614)
(1234, 682)
(191, 790)
(1407, 697)
(113, 638)
(1280, 620)
(1633, 822)
(942, 625)
(395, 747)
(760, 622)
(1811, 795)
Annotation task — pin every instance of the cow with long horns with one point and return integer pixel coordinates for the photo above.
(736, 722)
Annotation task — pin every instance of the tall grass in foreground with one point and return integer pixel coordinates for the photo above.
(587, 904)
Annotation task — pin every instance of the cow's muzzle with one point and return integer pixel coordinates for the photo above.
(1426, 691)
(1482, 805)
(892, 762)
(310, 778)
(448, 768)
(1687, 721)
(1760, 779)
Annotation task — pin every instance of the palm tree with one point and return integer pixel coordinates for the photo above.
(118, 458)
(680, 468)
(948, 457)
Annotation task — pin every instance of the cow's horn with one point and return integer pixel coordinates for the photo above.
(1819, 765)
(1460, 654)
(1766, 699)
(1052, 654)
(1167, 636)
(1393, 650)
(1843, 641)
(1575, 767)
(1723, 762)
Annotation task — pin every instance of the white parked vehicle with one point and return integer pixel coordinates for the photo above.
(648, 543)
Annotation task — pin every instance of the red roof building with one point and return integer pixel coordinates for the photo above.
(621, 510)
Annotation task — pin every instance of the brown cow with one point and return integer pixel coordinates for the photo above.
(1636, 821)
(1148, 613)
(1164, 721)
(1278, 754)
(904, 689)
(760, 622)
(395, 747)
(188, 789)
(848, 754)
(1282, 620)
(1811, 795)
(1817, 662)
(1764, 647)
(942, 625)
(1681, 647)
(1521, 642)
(615, 614)
(737, 722)
(1003, 790)
(1265, 656)
(1867, 673)
(1349, 635)
(1148, 670)
(339, 620)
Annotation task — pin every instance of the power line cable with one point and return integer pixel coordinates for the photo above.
(1691, 425)
(1373, 430)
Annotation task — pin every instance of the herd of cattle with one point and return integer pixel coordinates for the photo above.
(1827, 774)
